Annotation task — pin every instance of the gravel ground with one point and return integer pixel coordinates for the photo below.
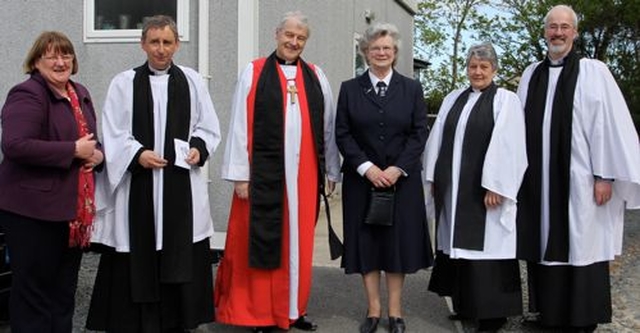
(625, 281)
(625, 286)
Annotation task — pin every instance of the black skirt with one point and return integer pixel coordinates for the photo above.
(479, 289)
(571, 296)
(404, 247)
(181, 305)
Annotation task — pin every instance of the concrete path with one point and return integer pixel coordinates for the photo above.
(338, 302)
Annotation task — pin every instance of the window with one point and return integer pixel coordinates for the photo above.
(359, 62)
(121, 20)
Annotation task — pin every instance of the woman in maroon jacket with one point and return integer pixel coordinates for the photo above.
(47, 185)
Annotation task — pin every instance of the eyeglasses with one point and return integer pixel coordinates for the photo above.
(562, 27)
(67, 58)
(383, 49)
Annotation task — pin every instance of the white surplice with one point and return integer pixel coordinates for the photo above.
(112, 187)
(502, 172)
(604, 143)
(236, 166)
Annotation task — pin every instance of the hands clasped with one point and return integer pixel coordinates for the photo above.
(86, 150)
(380, 178)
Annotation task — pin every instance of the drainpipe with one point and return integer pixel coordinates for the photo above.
(203, 55)
(247, 32)
(203, 39)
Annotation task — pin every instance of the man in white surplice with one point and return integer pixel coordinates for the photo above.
(583, 172)
(154, 223)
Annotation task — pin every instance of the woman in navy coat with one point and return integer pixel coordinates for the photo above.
(46, 185)
(381, 131)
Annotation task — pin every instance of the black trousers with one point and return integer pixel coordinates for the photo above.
(45, 274)
(181, 306)
(479, 289)
(572, 296)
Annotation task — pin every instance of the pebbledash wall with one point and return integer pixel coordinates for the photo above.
(224, 35)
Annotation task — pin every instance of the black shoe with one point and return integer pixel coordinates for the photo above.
(491, 324)
(303, 323)
(396, 325)
(455, 316)
(369, 325)
(533, 322)
(264, 329)
(175, 330)
(584, 329)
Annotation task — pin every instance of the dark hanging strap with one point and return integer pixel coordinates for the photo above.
(470, 209)
(559, 161)
(315, 101)
(529, 197)
(267, 160)
(529, 201)
(471, 213)
(336, 249)
(177, 226)
(175, 261)
(144, 268)
(442, 173)
(267, 170)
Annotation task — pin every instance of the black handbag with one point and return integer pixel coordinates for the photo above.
(381, 206)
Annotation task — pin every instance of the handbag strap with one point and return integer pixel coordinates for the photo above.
(336, 249)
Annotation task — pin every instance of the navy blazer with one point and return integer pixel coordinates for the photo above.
(39, 174)
(388, 132)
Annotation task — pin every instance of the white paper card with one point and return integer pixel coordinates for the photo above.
(182, 151)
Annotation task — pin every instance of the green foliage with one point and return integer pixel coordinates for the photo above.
(442, 27)
(609, 30)
(516, 32)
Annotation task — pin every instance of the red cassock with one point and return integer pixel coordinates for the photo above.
(246, 296)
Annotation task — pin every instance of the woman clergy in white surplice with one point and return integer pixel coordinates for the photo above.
(475, 159)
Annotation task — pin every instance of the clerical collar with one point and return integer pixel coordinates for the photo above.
(481, 90)
(284, 62)
(557, 63)
(159, 72)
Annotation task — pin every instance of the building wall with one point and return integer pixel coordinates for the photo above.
(333, 24)
(23, 21)
(331, 46)
(223, 52)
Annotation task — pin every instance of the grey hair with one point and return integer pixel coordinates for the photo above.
(565, 8)
(159, 22)
(297, 15)
(376, 31)
(483, 51)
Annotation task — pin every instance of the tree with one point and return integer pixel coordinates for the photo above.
(609, 30)
(441, 28)
(516, 32)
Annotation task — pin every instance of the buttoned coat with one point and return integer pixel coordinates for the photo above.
(39, 174)
(389, 131)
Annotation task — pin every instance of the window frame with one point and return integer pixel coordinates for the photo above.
(91, 35)
(357, 55)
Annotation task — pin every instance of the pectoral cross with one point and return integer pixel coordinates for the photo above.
(292, 90)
